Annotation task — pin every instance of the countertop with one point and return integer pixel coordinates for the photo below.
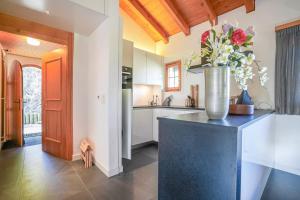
(237, 121)
(169, 107)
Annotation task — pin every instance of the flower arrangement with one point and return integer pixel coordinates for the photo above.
(231, 47)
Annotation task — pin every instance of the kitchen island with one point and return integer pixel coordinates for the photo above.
(214, 159)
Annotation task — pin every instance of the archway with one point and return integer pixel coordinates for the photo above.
(32, 104)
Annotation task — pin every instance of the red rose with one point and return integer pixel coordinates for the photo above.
(239, 37)
(204, 37)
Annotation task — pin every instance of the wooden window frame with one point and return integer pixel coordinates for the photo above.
(167, 66)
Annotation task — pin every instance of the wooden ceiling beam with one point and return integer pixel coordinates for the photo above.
(142, 10)
(133, 16)
(212, 15)
(177, 17)
(250, 5)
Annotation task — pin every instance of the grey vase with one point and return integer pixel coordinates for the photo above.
(217, 92)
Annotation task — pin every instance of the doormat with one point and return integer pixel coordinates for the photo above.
(9, 145)
(29, 141)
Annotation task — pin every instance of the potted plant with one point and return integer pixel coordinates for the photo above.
(225, 53)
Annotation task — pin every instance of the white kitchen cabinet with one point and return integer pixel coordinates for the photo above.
(145, 124)
(156, 114)
(155, 69)
(127, 53)
(139, 66)
(147, 68)
(165, 112)
(142, 126)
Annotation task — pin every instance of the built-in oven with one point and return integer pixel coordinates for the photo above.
(126, 77)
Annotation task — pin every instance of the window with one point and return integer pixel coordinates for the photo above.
(287, 71)
(173, 76)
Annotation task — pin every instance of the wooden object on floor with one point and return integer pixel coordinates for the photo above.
(86, 153)
(241, 109)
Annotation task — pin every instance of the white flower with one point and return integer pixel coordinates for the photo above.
(250, 58)
(262, 70)
(221, 52)
(250, 31)
(243, 61)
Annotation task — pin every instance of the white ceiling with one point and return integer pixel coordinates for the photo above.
(62, 14)
(17, 44)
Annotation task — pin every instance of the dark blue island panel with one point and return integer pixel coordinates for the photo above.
(199, 158)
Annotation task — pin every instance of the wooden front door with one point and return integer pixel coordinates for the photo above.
(14, 106)
(18, 103)
(54, 101)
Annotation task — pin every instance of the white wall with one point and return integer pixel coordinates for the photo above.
(133, 32)
(97, 84)
(80, 93)
(287, 142)
(268, 13)
(96, 5)
(104, 92)
(143, 94)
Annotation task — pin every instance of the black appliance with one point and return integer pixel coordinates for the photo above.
(126, 77)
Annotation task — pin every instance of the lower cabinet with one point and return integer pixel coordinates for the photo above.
(160, 112)
(156, 114)
(145, 123)
(142, 126)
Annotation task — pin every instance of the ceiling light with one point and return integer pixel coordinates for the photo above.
(33, 42)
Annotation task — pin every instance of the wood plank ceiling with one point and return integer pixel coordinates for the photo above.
(164, 18)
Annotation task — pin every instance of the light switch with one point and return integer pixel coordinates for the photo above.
(102, 99)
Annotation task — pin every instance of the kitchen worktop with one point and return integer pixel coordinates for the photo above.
(230, 121)
(169, 107)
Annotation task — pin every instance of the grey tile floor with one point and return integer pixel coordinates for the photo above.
(29, 173)
(282, 186)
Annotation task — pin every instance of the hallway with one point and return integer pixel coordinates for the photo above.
(29, 173)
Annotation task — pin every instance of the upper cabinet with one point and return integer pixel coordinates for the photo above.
(139, 66)
(127, 59)
(147, 68)
(155, 69)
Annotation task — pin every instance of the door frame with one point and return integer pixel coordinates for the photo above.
(20, 26)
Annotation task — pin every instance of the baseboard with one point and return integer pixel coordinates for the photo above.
(137, 146)
(76, 157)
(108, 173)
